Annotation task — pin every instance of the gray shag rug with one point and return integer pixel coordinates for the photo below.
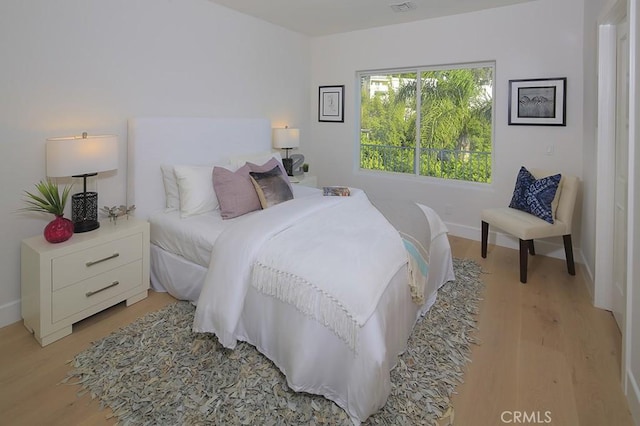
(156, 371)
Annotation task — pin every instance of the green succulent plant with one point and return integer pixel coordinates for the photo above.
(49, 199)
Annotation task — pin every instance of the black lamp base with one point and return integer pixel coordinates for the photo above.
(84, 212)
(85, 226)
(288, 165)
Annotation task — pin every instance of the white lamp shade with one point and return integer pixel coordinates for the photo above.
(78, 155)
(286, 138)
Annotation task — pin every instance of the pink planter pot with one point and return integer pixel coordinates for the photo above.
(58, 230)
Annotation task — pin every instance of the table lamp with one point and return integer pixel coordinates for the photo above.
(82, 156)
(286, 139)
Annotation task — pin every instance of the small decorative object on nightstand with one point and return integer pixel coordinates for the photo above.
(113, 213)
(64, 283)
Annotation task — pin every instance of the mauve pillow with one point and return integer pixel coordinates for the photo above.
(235, 191)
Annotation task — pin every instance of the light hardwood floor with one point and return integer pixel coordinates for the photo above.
(544, 351)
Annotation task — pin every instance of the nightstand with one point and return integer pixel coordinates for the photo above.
(67, 282)
(305, 179)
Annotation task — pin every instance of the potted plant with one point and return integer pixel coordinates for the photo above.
(49, 199)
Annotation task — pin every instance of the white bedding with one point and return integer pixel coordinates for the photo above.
(193, 237)
(330, 257)
(358, 381)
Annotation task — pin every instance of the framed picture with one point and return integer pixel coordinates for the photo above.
(331, 104)
(538, 102)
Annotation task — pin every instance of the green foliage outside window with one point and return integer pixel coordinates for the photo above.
(455, 121)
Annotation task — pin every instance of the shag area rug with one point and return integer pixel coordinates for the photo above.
(157, 372)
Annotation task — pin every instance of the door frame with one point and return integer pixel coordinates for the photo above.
(613, 15)
(605, 181)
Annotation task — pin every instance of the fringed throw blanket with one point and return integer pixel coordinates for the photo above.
(330, 257)
(333, 265)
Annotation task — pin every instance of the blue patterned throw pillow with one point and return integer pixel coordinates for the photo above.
(535, 196)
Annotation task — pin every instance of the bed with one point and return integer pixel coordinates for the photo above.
(275, 277)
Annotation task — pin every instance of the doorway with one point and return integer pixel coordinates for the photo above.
(619, 299)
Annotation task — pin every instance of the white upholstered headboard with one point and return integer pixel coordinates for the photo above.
(153, 141)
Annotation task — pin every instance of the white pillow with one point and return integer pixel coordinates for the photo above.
(195, 189)
(255, 158)
(172, 196)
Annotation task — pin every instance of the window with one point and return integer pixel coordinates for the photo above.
(428, 121)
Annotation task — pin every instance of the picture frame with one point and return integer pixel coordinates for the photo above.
(331, 104)
(538, 102)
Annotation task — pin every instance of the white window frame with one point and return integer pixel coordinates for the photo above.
(418, 70)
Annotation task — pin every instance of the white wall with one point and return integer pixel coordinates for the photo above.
(88, 65)
(531, 40)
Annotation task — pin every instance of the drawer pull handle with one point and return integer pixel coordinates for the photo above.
(91, 293)
(94, 262)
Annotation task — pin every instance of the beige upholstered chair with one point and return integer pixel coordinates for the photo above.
(528, 227)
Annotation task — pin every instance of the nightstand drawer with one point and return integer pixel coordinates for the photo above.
(74, 267)
(80, 296)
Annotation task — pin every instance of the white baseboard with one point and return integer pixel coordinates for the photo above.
(590, 283)
(633, 397)
(10, 313)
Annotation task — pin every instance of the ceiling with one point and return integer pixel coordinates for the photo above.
(324, 17)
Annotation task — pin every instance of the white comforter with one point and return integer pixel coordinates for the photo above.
(285, 253)
(296, 240)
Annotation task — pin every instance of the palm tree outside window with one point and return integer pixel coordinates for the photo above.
(428, 121)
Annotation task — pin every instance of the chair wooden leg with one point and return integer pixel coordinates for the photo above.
(485, 236)
(532, 248)
(568, 251)
(524, 259)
